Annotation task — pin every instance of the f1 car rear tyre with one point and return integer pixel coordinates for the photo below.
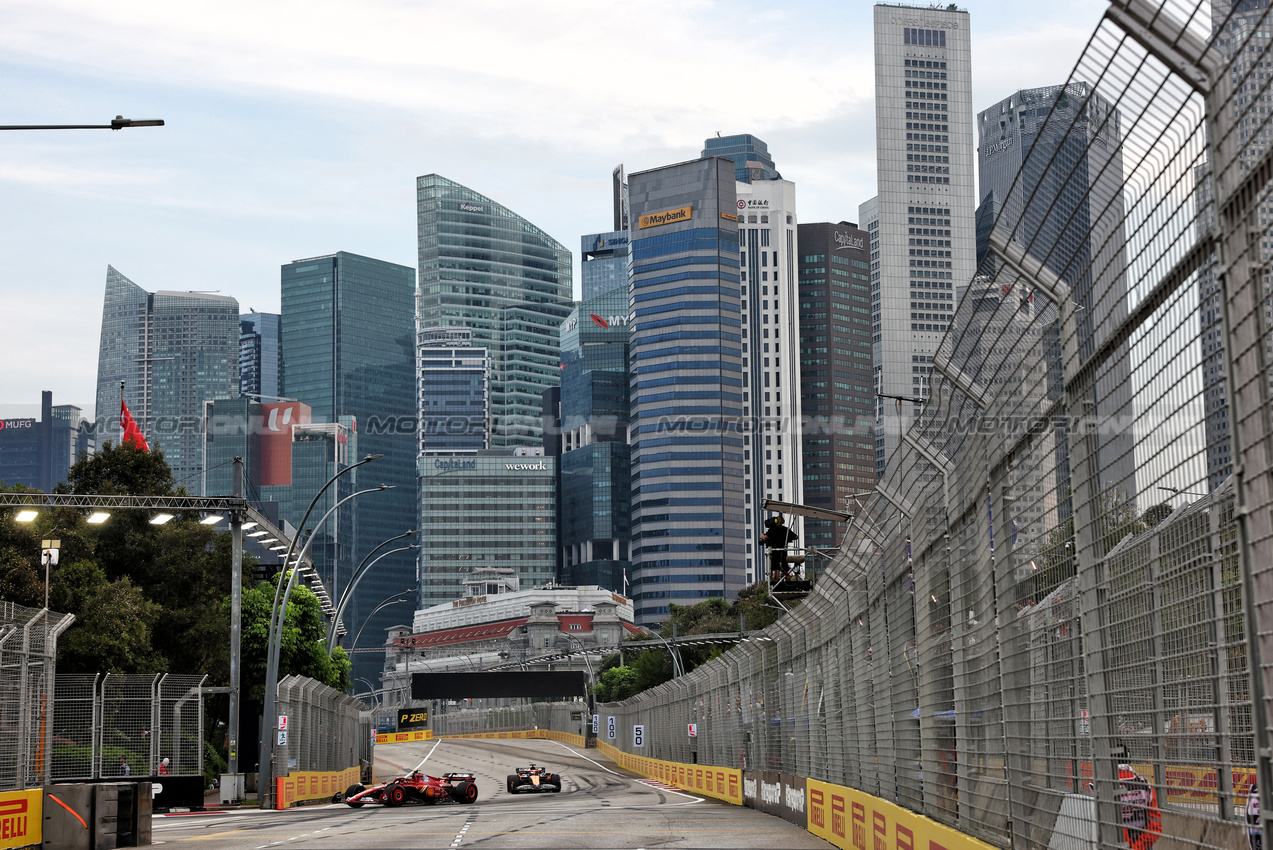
(352, 791)
(465, 792)
(512, 783)
(397, 795)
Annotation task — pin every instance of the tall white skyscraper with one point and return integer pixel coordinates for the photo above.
(772, 457)
(922, 223)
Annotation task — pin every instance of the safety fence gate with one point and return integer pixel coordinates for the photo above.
(103, 722)
(1051, 623)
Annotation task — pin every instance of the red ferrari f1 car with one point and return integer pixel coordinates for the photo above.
(416, 787)
(533, 779)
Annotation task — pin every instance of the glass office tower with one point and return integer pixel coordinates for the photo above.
(603, 264)
(173, 351)
(260, 354)
(349, 351)
(686, 387)
(837, 396)
(454, 392)
(595, 481)
(485, 268)
(1071, 218)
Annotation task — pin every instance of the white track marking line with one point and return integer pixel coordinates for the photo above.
(426, 758)
(585, 758)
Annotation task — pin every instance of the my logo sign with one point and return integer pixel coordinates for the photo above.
(1001, 145)
(287, 418)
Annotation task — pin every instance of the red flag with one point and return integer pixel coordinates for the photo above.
(131, 434)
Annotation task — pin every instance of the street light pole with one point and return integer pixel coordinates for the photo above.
(236, 632)
(392, 600)
(677, 670)
(119, 122)
(265, 769)
(592, 687)
(348, 595)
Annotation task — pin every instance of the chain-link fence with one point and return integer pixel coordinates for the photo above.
(104, 722)
(28, 649)
(1042, 626)
(326, 730)
(517, 714)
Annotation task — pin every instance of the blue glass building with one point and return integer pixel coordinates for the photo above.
(595, 466)
(485, 268)
(749, 154)
(454, 392)
(260, 354)
(349, 351)
(173, 351)
(603, 264)
(687, 407)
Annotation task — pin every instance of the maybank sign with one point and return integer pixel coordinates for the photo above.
(659, 219)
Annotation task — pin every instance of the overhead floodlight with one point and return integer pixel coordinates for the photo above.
(259, 534)
(160, 519)
(26, 516)
(245, 526)
(278, 548)
(211, 519)
(98, 517)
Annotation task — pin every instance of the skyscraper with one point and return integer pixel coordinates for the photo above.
(687, 409)
(603, 264)
(836, 393)
(595, 463)
(39, 452)
(349, 351)
(485, 268)
(260, 354)
(766, 212)
(454, 392)
(1069, 218)
(924, 212)
(173, 351)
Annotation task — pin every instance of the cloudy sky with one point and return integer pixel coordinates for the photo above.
(297, 128)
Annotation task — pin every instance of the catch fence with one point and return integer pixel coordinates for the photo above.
(1068, 562)
(28, 650)
(103, 721)
(326, 730)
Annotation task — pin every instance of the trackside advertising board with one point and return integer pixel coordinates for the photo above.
(312, 785)
(723, 783)
(853, 820)
(778, 794)
(403, 737)
(21, 818)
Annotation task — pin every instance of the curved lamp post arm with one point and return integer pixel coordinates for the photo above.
(677, 670)
(340, 602)
(266, 752)
(276, 629)
(353, 583)
(386, 604)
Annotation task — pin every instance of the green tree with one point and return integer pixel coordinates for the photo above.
(303, 647)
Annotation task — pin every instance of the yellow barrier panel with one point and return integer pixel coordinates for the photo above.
(21, 818)
(853, 820)
(722, 783)
(312, 785)
(403, 737)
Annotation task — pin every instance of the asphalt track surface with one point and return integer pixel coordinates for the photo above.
(600, 806)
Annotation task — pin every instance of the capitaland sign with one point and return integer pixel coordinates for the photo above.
(659, 219)
(440, 463)
(16, 424)
(846, 241)
(537, 467)
(999, 146)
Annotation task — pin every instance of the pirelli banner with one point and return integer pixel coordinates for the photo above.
(21, 818)
(312, 785)
(723, 783)
(854, 820)
(403, 737)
